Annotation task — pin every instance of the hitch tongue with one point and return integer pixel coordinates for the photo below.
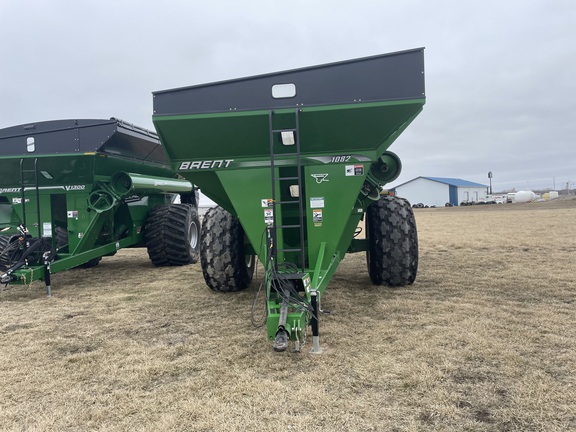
(282, 336)
(5, 278)
(281, 340)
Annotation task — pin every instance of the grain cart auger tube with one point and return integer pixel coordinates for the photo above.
(73, 191)
(295, 160)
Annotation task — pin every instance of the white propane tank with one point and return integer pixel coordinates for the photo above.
(525, 196)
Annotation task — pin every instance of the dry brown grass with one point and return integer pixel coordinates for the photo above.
(483, 341)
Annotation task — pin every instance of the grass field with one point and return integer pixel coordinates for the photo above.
(484, 340)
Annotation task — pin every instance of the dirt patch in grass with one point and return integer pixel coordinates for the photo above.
(482, 341)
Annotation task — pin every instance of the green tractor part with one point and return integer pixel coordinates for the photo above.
(295, 160)
(73, 191)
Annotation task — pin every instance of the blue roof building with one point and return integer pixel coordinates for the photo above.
(438, 191)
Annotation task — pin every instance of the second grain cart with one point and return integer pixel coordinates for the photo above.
(295, 160)
(73, 191)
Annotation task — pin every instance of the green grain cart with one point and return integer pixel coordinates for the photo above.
(73, 191)
(295, 160)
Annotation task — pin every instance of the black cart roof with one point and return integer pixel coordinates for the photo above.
(392, 76)
(113, 136)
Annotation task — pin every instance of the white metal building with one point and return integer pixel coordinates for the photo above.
(437, 191)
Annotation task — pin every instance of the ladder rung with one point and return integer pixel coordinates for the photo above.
(294, 153)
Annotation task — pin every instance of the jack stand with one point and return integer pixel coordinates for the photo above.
(316, 345)
(314, 323)
(47, 280)
(46, 257)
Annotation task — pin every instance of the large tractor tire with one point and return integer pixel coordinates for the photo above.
(393, 242)
(171, 235)
(225, 265)
(9, 254)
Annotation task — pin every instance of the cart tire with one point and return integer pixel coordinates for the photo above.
(92, 263)
(393, 242)
(6, 259)
(225, 265)
(4, 241)
(171, 234)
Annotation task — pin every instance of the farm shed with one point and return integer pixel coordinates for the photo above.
(437, 191)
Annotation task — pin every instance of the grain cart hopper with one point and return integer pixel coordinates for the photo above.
(73, 191)
(295, 160)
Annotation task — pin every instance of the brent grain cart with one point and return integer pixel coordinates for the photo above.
(295, 160)
(73, 191)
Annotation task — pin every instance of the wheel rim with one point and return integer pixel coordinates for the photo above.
(248, 258)
(193, 235)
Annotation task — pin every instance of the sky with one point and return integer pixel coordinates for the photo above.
(500, 75)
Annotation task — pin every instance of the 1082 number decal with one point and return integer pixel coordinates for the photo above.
(336, 159)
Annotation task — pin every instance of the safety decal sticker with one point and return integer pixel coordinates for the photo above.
(317, 202)
(266, 202)
(317, 217)
(269, 217)
(354, 170)
(306, 281)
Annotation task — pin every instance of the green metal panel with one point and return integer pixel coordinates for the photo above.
(330, 199)
(55, 172)
(243, 137)
(201, 145)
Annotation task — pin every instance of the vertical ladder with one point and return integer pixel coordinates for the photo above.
(277, 137)
(25, 181)
(31, 181)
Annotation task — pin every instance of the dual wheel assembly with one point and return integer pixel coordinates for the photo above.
(173, 237)
(392, 256)
(171, 234)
